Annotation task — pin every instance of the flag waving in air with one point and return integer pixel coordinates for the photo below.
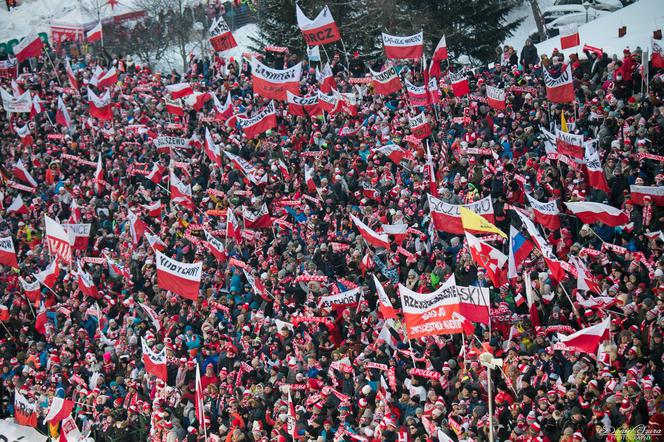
(490, 258)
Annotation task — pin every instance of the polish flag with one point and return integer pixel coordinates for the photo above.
(21, 173)
(179, 90)
(569, 36)
(419, 126)
(99, 176)
(154, 318)
(109, 78)
(447, 217)
(303, 106)
(59, 241)
(589, 213)
(199, 403)
(259, 123)
(474, 303)
(257, 220)
(398, 231)
(136, 226)
(642, 194)
(155, 363)
(396, 47)
(30, 46)
(100, 107)
(418, 95)
(555, 267)
(24, 134)
(37, 107)
(466, 325)
(7, 252)
(319, 31)
(73, 82)
(216, 247)
(546, 214)
(491, 259)
(584, 279)
(328, 103)
(588, 339)
(370, 236)
(291, 420)
(384, 303)
(309, 178)
(75, 212)
(570, 144)
(392, 151)
(657, 57)
(233, 230)
(225, 111)
(69, 431)
(25, 412)
(433, 186)
(434, 91)
(62, 115)
(325, 79)
(155, 242)
(181, 192)
(154, 209)
(49, 275)
(156, 173)
(18, 206)
(519, 249)
(596, 177)
(459, 84)
(86, 284)
(94, 34)
(197, 100)
(179, 277)
(440, 53)
(386, 82)
(32, 290)
(273, 83)
(59, 409)
(211, 149)
(495, 97)
(222, 38)
(174, 107)
(283, 168)
(561, 89)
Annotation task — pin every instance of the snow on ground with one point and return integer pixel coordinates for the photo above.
(527, 26)
(31, 15)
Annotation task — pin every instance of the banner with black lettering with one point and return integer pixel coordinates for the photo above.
(409, 47)
(447, 217)
(340, 300)
(179, 277)
(419, 126)
(273, 83)
(319, 31)
(259, 123)
(429, 314)
(165, 144)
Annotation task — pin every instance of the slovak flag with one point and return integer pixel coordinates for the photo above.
(215, 247)
(495, 97)
(211, 149)
(86, 284)
(100, 107)
(325, 79)
(590, 213)
(155, 363)
(569, 36)
(440, 53)
(561, 89)
(156, 173)
(62, 115)
(59, 409)
(384, 303)
(519, 249)
(392, 151)
(588, 339)
(7, 252)
(179, 277)
(21, 173)
(490, 258)
(95, 34)
(179, 90)
(154, 209)
(30, 46)
(18, 206)
(386, 82)
(370, 236)
(409, 47)
(233, 230)
(546, 214)
(319, 31)
(136, 226)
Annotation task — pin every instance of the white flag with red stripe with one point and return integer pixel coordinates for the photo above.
(179, 277)
(385, 82)
(392, 151)
(560, 89)
(273, 83)
(7, 252)
(199, 401)
(596, 177)
(154, 318)
(409, 47)
(32, 289)
(21, 173)
(155, 363)
(174, 107)
(588, 339)
(642, 194)
(153, 209)
(60, 408)
(85, 283)
(221, 36)
(216, 247)
(155, 242)
(384, 303)
(259, 123)
(181, 192)
(233, 229)
(303, 106)
(30, 46)
(100, 107)
(179, 90)
(109, 78)
(370, 236)
(440, 53)
(495, 96)
(18, 206)
(99, 176)
(136, 226)
(156, 173)
(319, 31)
(73, 82)
(419, 126)
(49, 275)
(211, 149)
(59, 241)
(418, 95)
(589, 213)
(546, 214)
(225, 111)
(325, 79)
(260, 219)
(62, 115)
(95, 34)
(570, 144)
(459, 84)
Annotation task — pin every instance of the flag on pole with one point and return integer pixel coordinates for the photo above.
(94, 34)
(472, 221)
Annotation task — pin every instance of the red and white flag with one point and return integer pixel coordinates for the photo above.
(30, 46)
(339, 300)
(155, 363)
(447, 217)
(590, 213)
(546, 214)
(81, 234)
(243, 166)
(69, 431)
(584, 279)
(569, 36)
(386, 82)
(418, 95)
(495, 96)
(233, 229)
(596, 177)
(73, 82)
(21, 173)
(99, 176)
(384, 303)
(459, 83)
(49, 275)
(59, 241)
(440, 53)
(86, 284)
(325, 79)
(179, 90)
(392, 151)
(657, 57)
(179, 277)
(216, 247)
(291, 421)
(561, 89)
(221, 36)
(174, 107)
(642, 194)
(24, 134)
(434, 91)
(370, 236)
(259, 123)
(197, 100)
(225, 111)
(18, 206)
(156, 173)
(398, 231)
(95, 34)
(309, 178)
(100, 107)
(257, 220)
(570, 144)
(211, 149)
(181, 192)
(37, 107)
(397, 47)
(329, 103)
(319, 31)
(419, 126)
(7, 252)
(588, 339)
(474, 303)
(430, 314)
(154, 318)
(283, 168)
(25, 412)
(273, 83)
(303, 106)
(62, 115)
(555, 267)
(16, 104)
(136, 226)
(199, 395)
(490, 258)
(155, 242)
(433, 186)
(60, 408)
(153, 209)
(32, 290)
(109, 78)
